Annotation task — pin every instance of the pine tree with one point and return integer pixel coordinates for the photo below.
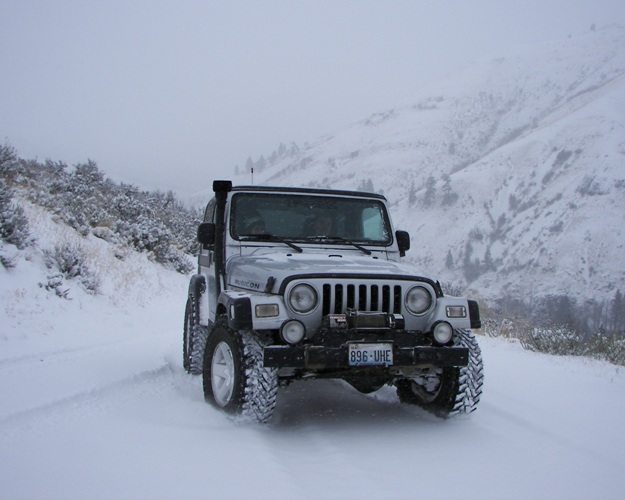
(430, 192)
(489, 263)
(412, 194)
(8, 159)
(261, 163)
(617, 314)
(449, 261)
(449, 197)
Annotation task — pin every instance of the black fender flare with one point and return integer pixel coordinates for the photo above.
(197, 287)
(238, 307)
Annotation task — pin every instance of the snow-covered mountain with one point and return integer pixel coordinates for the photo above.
(510, 176)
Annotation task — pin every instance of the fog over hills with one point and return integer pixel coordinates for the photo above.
(510, 176)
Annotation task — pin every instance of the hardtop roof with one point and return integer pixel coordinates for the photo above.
(296, 190)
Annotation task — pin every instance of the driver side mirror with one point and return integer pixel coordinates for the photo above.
(206, 234)
(403, 242)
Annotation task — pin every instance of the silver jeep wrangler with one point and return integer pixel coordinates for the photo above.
(299, 284)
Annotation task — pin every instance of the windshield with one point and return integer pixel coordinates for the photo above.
(309, 218)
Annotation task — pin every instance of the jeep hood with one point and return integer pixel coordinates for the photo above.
(255, 272)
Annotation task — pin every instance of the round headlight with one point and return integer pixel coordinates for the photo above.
(442, 332)
(303, 298)
(292, 331)
(418, 300)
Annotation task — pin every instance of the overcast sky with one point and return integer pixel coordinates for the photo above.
(170, 94)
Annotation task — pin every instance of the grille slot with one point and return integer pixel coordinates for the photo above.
(337, 298)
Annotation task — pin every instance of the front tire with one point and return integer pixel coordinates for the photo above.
(447, 392)
(235, 380)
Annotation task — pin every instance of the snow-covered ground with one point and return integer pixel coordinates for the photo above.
(95, 404)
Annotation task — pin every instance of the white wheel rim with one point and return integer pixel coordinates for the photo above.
(222, 374)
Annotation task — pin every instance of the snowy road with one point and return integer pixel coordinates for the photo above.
(108, 412)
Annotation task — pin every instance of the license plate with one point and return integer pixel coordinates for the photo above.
(370, 354)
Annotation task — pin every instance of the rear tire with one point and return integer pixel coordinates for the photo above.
(235, 380)
(447, 392)
(193, 338)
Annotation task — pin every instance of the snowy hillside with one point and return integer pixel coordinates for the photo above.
(96, 404)
(510, 176)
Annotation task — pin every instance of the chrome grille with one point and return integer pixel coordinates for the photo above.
(338, 297)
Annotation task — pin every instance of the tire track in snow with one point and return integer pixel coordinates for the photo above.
(331, 420)
(42, 379)
(58, 355)
(546, 434)
(89, 401)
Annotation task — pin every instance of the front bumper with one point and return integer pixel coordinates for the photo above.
(316, 357)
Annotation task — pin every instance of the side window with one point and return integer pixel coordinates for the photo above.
(373, 225)
(210, 209)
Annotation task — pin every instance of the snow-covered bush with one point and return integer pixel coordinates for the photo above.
(105, 233)
(560, 340)
(152, 222)
(179, 261)
(7, 261)
(13, 221)
(610, 347)
(70, 260)
(55, 284)
(492, 327)
(452, 289)
(563, 340)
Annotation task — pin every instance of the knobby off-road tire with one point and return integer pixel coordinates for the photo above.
(447, 392)
(234, 379)
(193, 338)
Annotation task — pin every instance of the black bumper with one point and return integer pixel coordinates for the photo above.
(320, 357)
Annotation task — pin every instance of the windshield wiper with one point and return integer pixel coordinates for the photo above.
(273, 237)
(342, 240)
